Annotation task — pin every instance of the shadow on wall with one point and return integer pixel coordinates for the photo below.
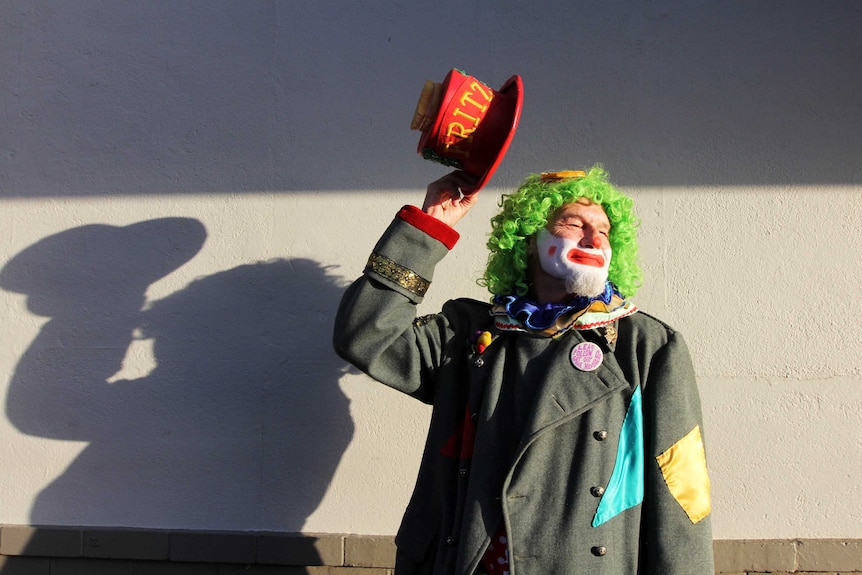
(240, 424)
(224, 96)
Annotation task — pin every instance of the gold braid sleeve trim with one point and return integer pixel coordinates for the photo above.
(406, 278)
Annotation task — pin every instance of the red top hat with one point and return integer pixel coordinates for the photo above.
(467, 125)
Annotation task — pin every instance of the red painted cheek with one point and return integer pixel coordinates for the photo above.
(552, 250)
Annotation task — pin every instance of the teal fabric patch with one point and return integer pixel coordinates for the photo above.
(626, 486)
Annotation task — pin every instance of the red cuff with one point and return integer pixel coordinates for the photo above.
(441, 232)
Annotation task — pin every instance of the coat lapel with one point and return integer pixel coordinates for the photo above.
(567, 391)
(563, 392)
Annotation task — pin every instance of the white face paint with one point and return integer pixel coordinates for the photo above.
(585, 270)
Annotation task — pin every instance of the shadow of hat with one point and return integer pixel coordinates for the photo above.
(99, 260)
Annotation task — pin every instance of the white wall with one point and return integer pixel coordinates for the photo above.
(177, 372)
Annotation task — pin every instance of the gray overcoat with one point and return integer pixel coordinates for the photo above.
(521, 438)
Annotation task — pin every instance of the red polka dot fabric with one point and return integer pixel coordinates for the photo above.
(496, 558)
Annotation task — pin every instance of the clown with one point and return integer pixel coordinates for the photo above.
(566, 433)
(564, 241)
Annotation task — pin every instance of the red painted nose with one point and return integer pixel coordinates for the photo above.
(594, 241)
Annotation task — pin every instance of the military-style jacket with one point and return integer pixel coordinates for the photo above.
(589, 472)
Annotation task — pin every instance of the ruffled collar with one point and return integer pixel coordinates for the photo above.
(544, 315)
(555, 318)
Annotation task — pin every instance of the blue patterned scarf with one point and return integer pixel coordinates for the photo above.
(543, 316)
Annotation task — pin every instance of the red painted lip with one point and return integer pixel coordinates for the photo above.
(581, 257)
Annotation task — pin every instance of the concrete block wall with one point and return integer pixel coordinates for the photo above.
(72, 551)
(36, 551)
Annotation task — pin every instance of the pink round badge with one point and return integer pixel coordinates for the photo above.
(587, 356)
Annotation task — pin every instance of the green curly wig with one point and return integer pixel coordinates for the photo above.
(528, 210)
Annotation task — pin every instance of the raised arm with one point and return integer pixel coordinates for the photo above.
(375, 327)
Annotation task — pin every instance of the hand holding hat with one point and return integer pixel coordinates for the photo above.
(445, 198)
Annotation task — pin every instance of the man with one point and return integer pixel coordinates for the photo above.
(565, 436)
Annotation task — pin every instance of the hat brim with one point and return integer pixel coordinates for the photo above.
(512, 84)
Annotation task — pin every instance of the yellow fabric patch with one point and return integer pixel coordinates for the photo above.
(684, 469)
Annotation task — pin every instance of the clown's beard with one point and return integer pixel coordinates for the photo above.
(586, 281)
(557, 257)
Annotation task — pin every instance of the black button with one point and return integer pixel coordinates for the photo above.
(475, 417)
(462, 472)
(479, 362)
(600, 435)
(597, 491)
(599, 551)
(450, 541)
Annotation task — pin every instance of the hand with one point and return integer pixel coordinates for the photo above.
(445, 199)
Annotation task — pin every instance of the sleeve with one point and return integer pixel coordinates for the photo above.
(376, 328)
(676, 538)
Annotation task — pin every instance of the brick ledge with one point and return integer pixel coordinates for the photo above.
(348, 553)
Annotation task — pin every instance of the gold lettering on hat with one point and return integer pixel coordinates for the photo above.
(458, 130)
(478, 87)
(468, 98)
(460, 112)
